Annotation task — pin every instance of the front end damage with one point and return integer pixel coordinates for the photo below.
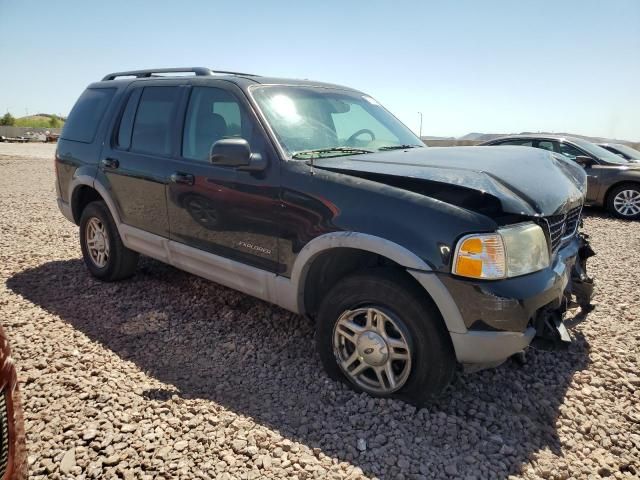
(551, 333)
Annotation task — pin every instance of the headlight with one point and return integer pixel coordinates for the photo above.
(510, 252)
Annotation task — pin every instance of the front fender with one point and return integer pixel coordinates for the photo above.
(417, 267)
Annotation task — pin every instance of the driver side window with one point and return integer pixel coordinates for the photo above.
(569, 151)
(213, 114)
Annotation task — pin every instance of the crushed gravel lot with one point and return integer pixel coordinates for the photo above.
(166, 375)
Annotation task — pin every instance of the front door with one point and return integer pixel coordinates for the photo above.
(135, 160)
(222, 210)
(593, 184)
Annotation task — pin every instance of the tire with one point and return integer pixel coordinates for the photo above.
(623, 201)
(409, 316)
(118, 261)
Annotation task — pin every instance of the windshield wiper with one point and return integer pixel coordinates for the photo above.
(318, 153)
(398, 147)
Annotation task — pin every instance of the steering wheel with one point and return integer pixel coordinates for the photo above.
(351, 140)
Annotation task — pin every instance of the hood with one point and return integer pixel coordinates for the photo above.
(511, 179)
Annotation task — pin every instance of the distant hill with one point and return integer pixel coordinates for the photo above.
(474, 136)
(431, 137)
(40, 120)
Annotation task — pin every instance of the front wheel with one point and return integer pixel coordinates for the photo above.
(624, 201)
(380, 332)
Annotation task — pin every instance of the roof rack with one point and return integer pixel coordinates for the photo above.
(199, 71)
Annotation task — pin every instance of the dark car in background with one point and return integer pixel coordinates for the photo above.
(625, 151)
(613, 182)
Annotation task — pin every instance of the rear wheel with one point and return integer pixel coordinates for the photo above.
(624, 201)
(102, 249)
(382, 335)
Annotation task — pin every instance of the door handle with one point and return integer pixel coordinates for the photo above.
(110, 163)
(182, 178)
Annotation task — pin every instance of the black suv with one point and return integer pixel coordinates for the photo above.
(410, 260)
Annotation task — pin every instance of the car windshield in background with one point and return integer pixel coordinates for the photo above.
(599, 152)
(627, 150)
(312, 122)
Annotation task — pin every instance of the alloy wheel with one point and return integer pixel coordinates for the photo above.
(627, 202)
(372, 348)
(97, 240)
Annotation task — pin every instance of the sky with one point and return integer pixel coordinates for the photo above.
(492, 66)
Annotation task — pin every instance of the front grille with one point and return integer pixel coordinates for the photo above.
(563, 227)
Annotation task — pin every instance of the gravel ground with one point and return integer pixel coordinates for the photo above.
(166, 375)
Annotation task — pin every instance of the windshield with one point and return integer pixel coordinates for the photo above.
(599, 152)
(317, 122)
(628, 151)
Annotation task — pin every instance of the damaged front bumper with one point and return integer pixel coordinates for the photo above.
(503, 317)
(550, 329)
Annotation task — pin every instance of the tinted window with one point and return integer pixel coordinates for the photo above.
(627, 151)
(153, 120)
(545, 145)
(569, 151)
(599, 152)
(212, 114)
(83, 121)
(523, 143)
(617, 152)
(126, 122)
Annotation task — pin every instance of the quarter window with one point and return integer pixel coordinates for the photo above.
(212, 114)
(153, 120)
(83, 121)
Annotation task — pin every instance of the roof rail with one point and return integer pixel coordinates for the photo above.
(199, 71)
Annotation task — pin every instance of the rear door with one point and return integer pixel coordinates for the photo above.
(135, 161)
(220, 209)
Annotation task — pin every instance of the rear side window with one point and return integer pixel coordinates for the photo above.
(545, 145)
(83, 121)
(153, 120)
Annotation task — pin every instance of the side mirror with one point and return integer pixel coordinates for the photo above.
(584, 161)
(236, 152)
